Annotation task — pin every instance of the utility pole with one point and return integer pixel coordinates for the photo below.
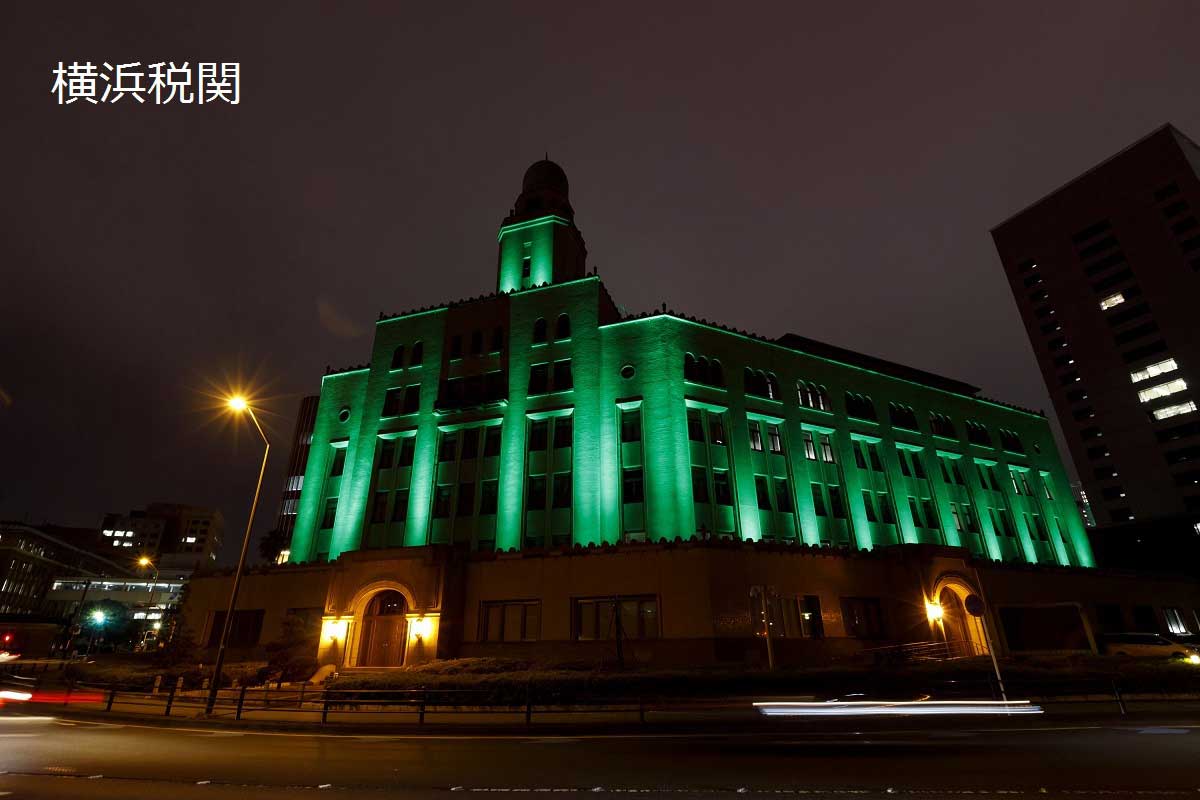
(764, 610)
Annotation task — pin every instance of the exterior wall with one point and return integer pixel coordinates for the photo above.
(276, 591)
(655, 348)
(1124, 227)
(702, 595)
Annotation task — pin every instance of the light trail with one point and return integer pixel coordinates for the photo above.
(880, 708)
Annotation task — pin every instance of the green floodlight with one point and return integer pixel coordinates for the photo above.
(99, 617)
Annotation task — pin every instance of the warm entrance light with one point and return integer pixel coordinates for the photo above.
(934, 611)
(422, 627)
(237, 403)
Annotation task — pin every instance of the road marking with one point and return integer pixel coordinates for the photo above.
(1164, 730)
(19, 735)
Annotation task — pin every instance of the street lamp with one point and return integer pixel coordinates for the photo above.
(238, 404)
(143, 562)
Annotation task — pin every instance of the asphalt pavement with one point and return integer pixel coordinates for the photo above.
(49, 757)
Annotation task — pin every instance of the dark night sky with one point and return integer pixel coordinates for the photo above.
(830, 169)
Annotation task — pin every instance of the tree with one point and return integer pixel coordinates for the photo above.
(272, 544)
(293, 656)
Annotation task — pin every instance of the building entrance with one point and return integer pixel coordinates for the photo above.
(384, 631)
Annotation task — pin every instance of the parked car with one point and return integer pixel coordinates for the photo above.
(1147, 645)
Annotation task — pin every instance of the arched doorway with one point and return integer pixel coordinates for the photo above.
(958, 625)
(384, 631)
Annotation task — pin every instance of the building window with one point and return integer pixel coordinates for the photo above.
(489, 493)
(497, 339)
(418, 354)
(775, 439)
(330, 513)
(1153, 370)
(1112, 300)
(818, 500)
(756, 442)
(408, 446)
(563, 381)
(695, 426)
(491, 442)
(699, 485)
(813, 396)
(869, 506)
(562, 328)
(810, 447)
(702, 370)
(466, 500)
(862, 617)
(634, 617)
(339, 462)
(561, 491)
(448, 450)
(539, 378)
(632, 488)
(978, 434)
(563, 431)
(763, 493)
(511, 621)
(1011, 442)
(535, 499)
(392, 401)
(470, 444)
(1176, 623)
(860, 406)
(791, 617)
(721, 488)
(539, 331)
(783, 496)
(826, 449)
(441, 501)
(538, 435)
(526, 268)
(631, 425)
(716, 430)
(387, 454)
(903, 416)
(400, 507)
(398, 357)
(1174, 411)
(456, 346)
(941, 425)
(379, 506)
(1162, 390)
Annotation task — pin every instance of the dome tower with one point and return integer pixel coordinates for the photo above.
(538, 241)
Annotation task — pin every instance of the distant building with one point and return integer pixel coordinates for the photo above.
(1106, 273)
(150, 600)
(172, 535)
(306, 420)
(31, 560)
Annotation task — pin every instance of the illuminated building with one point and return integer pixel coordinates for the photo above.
(1105, 272)
(306, 417)
(532, 472)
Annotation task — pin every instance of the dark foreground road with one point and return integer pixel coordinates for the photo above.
(47, 757)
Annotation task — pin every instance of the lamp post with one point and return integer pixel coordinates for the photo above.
(237, 404)
(145, 561)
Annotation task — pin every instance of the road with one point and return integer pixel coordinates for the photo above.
(56, 758)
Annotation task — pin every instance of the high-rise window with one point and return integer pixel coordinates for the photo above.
(339, 462)
(699, 485)
(1162, 390)
(470, 443)
(400, 507)
(539, 378)
(387, 454)
(561, 490)
(818, 500)
(695, 425)
(489, 493)
(1174, 411)
(448, 450)
(408, 446)
(466, 500)
(869, 507)
(835, 502)
(783, 496)
(826, 449)
(721, 490)
(535, 499)
(441, 501)
(810, 448)
(1153, 370)
(563, 380)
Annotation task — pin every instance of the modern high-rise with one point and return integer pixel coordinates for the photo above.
(306, 418)
(1106, 274)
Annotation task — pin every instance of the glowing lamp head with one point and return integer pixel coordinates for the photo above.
(157, 626)
(934, 611)
(143, 561)
(1194, 658)
(422, 627)
(237, 403)
(99, 617)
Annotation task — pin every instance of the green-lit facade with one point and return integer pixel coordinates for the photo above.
(539, 417)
